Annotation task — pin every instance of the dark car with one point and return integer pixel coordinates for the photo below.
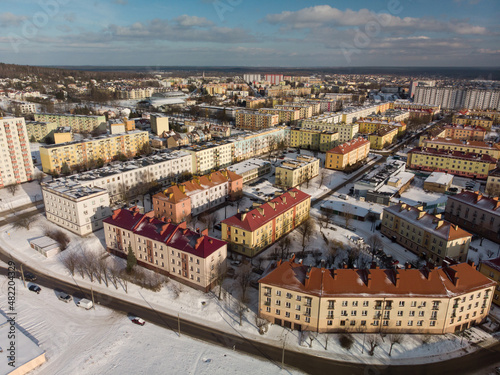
(28, 276)
(64, 297)
(138, 321)
(35, 288)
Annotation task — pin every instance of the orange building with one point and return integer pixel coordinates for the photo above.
(348, 153)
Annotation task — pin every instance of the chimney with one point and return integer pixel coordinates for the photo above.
(243, 216)
(164, 219)
(397, 280)
(169, 220)
(198, 230)
(171, 195)
(183, 188)
(345, 266)
(204, 232)
(198, 242)
(472, 264)
(407, 265)
(374, 266)
(116, 213)
(292, 259)
(368, 280)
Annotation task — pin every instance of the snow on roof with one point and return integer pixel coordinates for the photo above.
(439, 178)
(478, 200)
(248, 165)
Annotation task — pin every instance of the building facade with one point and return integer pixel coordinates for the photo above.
(458, 163)
(346, 131)
(382, 137)
(16, 164)
(484, 122)
(309, 139)
(367, 126)
(430, 300)
(40, 131)
(159, 123)
(464, 132)
(105, 148)
(200, 194)
(251, 169)
(426, 235)
(77, 123)
(347, 154)
(192, 258)
(255, 120)
(471, 147)
(291, 173)
(491, 269)
(79, 209)
(476, 213)
(249, 233)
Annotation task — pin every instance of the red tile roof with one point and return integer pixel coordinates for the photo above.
(174, 236)
(257, 217)
(347, 147)
(444, 282)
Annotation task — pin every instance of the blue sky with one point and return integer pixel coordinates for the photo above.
(294, 33)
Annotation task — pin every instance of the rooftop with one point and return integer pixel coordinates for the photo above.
(72, 189)
(478, 200)
(347, 147)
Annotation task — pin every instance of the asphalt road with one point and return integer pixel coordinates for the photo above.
(479, 362)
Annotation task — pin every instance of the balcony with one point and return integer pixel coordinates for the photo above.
(267, 303)
(455, 305)
(267, 294)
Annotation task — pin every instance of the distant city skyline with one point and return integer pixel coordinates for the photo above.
(294, 33)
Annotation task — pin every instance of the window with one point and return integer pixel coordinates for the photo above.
(277, 312)
(401, 303)
(278, 293)
(410, 322)
(365, 303)
(344, 303)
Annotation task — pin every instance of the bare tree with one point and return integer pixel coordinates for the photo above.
(372, 218)
(88, 264)
(124, 280)
(39, 176)
(220, 275)
(244, 278)
(23, 221)
(102, 267)
(352, 256)
(373, 341)
(284, 244)
(334, 249)
(375, 242)
(114, 274)
(240, 309)
(395, 338)
(70, 261)
(306, 230)
(326, 217)
(13, 188)
(322, 176)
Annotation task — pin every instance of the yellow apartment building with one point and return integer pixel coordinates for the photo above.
(255, 120)
(429, 300)
(284, 115)
(346, 154)
(249, 233)
(292, 173)
(104, 147)
(484, 122)
(491, 269)
(321, 140)
(429, 236)
(474, 147)
(458, 163)
(367, 126)
(77, 123)
(382, 137)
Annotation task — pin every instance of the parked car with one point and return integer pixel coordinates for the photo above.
(35, 288)
(64, 297)
(28, 276)
(138, 321)
(85, 303)
(236, 263)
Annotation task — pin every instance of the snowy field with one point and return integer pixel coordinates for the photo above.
(27, 193)
(102, 341)
(116, 338)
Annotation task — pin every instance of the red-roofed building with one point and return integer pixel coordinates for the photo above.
(180, 201)
(475, 212)
(491, 269)
(346, 154)
(192, 258)
(429, 300)
(428, 236)
(249, 233)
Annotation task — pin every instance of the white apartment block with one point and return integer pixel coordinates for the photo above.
(209, 156)
(163, 168)
(16, 164)
(79, 209)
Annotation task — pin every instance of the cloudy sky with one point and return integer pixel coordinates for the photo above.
(300, 33)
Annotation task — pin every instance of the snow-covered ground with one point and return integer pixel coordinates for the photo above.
(27, 192)
(102, 341)
(175, 298)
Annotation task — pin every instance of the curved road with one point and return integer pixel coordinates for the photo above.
(478, 362)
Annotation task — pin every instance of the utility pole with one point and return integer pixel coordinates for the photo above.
(92, 294)
(179, 324)
(22, 276)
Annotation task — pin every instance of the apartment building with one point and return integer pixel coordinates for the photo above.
(321, 140)
(347, 154)
(221, 131)
(346, 131)
(79, 209)
(391, 115)
(255, 120)
(426, 235)
(476, 213)
(200, 194)
(122, 179)
(491, 269)
(367, 126)
(494, 115)
(464, 132)
(382, 137)
(305, 110)
(251, 169)
(40, 131)
(284, 115)
(252, 103)
(192, 258)
(253, 144)
(353, 114)
(77, 123)
(411, 106)
(249, 233)
(459, 163)
(429, 300)
(493, 183)
(16, 164)
(208, 156)
(105, 147)
(291, 173)
(484, 122)
(458, 98)
(159, 123)
(62, 135)
(473, 147)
